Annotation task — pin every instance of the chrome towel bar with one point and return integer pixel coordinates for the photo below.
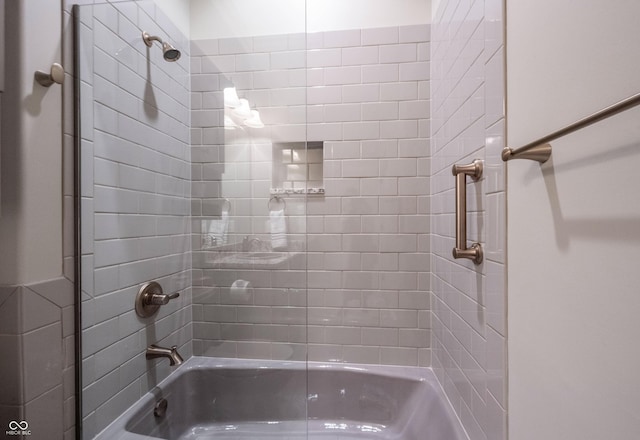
(540, 150)
(461, 172)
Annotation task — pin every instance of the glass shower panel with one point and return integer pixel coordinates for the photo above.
(177, 187)
(249, 261)
(134, 127)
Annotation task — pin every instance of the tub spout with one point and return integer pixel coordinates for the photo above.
(153, 351)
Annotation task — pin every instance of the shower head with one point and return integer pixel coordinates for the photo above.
(169, 53)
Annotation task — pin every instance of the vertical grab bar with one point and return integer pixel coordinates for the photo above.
(461, 172)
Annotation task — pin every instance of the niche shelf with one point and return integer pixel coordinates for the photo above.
(297, 168)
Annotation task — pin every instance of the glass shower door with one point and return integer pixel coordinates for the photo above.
(194, 175)
(134, 148)
(248, 99)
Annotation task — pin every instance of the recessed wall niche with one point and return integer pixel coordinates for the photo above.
(297, 168)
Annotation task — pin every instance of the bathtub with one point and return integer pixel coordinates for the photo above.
(213, 398)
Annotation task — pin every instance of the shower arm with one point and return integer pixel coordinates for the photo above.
(149, 39)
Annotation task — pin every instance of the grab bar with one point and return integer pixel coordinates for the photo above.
(461, 172)
(540, 150)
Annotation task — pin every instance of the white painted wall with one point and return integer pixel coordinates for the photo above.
(31, 222)
(178, 11)
(574, 223)
(323, 15)
(237, 18)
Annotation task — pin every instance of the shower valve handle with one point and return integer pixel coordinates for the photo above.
(160, 299)
(149, 299)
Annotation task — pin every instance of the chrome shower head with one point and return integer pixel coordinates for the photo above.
(169, 53)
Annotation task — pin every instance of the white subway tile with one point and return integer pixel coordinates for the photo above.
(361, 130)
(380, 73)
(398, 129)
(314, 77)
(324, 58)
(398, 243)
(414, 109)
(384, 186)
(413, 185)
(398, 356)
(288, 60)
(418, 224)
(424, 51)
(397, 167)
(204, 47)
(360, 168)
(214, 64)
(358, 56)
(361, 317)
(343, 75)
(342, 187)
(360, 205)
(360, 280)
(360, 243)
(415, 33)
(387, 262)
(398, 91)
(343, 262)
(398, 205)
(424, 90)
(380, 336)
(341, 150)
(414, 71)
(377, 36)
(379, 148)
(379, 111)
(270, 79)
(313, 40)
(342, 112)
(398, 53)
(343, 335)
(241, 45)
(414, 337)
(322, 95)
(361, 93)
(322, 132)
(379, 224)
(324, 242)
(418, 148)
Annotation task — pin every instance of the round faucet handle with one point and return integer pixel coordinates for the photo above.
(150, 297)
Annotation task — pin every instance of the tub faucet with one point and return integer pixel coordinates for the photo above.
(153, 351)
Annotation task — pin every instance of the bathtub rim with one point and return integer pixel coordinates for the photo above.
(195, 363)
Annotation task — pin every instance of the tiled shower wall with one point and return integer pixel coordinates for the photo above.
(36, 340)
(365, 93)
(469, 300)
(135, 203)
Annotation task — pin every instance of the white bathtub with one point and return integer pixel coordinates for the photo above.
(213, 398)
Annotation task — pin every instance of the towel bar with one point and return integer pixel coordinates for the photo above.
(540, 150)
